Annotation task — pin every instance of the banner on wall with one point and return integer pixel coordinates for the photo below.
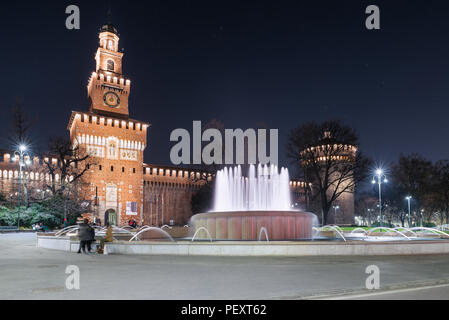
(131, 208)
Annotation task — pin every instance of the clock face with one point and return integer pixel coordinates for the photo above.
(111, 99)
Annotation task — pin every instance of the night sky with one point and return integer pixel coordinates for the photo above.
(247, 64)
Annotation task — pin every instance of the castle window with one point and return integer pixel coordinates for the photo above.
(112, 168)
(112, 148)
(110, 45)
(123, 169)
(134, 170)
(110, 65)
(99, 167)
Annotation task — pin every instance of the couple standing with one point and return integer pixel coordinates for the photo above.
(87, 236)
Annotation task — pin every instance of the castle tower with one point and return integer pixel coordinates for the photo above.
(114, 142)
(108, 91)
(330, 152)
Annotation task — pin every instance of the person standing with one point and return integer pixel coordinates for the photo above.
(84, 235)
(92, 238)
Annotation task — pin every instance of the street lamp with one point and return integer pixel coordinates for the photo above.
(21, 154)
(335, 213)
(379, 177)
(408, 198)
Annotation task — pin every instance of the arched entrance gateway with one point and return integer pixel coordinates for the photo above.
(110, 216)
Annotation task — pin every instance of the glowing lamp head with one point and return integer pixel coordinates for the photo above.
(373, 181)
(22, 147)
(379, 172)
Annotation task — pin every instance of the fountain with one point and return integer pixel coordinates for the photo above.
(197, 231)
(263, 229)
(244, 205)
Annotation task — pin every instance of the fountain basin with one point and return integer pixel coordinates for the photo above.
(247, 225)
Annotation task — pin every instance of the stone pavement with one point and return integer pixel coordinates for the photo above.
(28, 272)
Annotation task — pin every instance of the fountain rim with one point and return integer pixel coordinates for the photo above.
(252, 213)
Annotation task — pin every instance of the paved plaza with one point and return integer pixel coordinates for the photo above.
(29, 272)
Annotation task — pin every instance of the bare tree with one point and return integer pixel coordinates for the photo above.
(412, 176)
(65, 164)
(327, 160)
(20, 125)
(427, 183)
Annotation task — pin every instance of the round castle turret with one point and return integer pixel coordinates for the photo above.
(330, 150)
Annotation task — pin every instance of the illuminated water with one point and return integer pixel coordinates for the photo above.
(265, 188)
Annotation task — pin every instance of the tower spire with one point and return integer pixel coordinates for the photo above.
(108, 26)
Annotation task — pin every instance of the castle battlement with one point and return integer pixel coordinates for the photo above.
(110, 79)
(90, 118)
(11, 159)
(151, 171)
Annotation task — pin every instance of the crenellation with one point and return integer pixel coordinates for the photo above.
(98, 79)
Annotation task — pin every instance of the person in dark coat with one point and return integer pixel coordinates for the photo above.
(92, 238)
(85, 235)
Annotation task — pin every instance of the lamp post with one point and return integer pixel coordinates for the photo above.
(380, 177)
(20, 153)
(335, 213)
(408, 198)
